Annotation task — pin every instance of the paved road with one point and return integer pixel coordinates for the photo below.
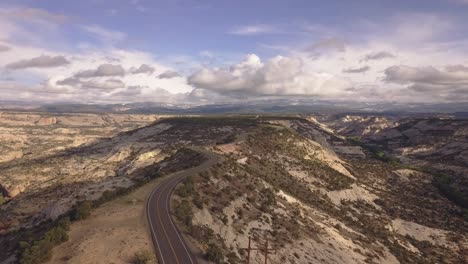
(168, 242)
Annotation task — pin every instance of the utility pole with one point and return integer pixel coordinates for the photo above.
(248, 253)
(265, 251)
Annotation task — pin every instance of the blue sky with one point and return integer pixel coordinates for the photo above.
(215, 51)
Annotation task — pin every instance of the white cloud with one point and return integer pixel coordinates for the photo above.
(457, 68)
(277, 76)
(99, 72)
(428, 75)
(168, 75)
(102, 70)
(429, 81)
(357, 70)
(144, 68)
(4, 48)
(42, 61)
(253, 30)
(378, 55)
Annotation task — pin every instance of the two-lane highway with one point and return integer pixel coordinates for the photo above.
(169, 244)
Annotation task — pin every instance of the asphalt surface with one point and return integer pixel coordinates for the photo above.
(168, 242)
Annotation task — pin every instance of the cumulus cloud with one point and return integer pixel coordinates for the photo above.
(43, 61)
(102, 70)
(407, 74)
(357, 70)
(107, 84)
(4, 48)
(451, 85)
(277, 76)
(168, 75)
(144, 68)
(132, 91)
(378, 55)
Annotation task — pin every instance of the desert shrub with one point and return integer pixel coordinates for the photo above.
(186, 188)
(269, 199)
(225, 219)
(37, 252)
(82, 210)
(202, 233)
(446, 185)
(143, 257)
(41, 250)
(64, 223)
(198, 201)
(56, 235)
(183, 212)
(214, 253)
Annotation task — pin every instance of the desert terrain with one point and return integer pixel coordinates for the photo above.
(318, 191)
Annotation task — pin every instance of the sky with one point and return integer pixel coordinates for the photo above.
(219, 51)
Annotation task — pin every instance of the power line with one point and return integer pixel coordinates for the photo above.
(265, 250)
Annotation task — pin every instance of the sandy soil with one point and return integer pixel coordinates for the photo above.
(112, 234)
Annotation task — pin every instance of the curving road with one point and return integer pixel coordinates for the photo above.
(168, 242)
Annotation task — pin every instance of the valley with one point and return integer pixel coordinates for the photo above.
(320, 189)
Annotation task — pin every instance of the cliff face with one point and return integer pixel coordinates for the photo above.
(279, 185)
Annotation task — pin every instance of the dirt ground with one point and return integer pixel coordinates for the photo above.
(112, 234)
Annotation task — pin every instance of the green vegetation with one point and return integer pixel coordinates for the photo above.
(269, 200)
(186, 189)
(143, 257)
(214, 253)
(82, 210)
(2, 199)
(447, 186)
(214, 120)
(377, 152)
(41, 250)
(35, 245)
(183, 212)
(204, 234)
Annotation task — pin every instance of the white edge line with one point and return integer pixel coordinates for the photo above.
(194, 170)
(167, 210)
(151, 224)
(173, 225)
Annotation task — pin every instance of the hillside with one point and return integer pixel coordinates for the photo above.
(315, 207)
(316, 196)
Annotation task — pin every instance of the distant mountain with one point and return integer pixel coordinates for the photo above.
(303, 106)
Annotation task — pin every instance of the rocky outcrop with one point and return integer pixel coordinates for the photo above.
(46, 121)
